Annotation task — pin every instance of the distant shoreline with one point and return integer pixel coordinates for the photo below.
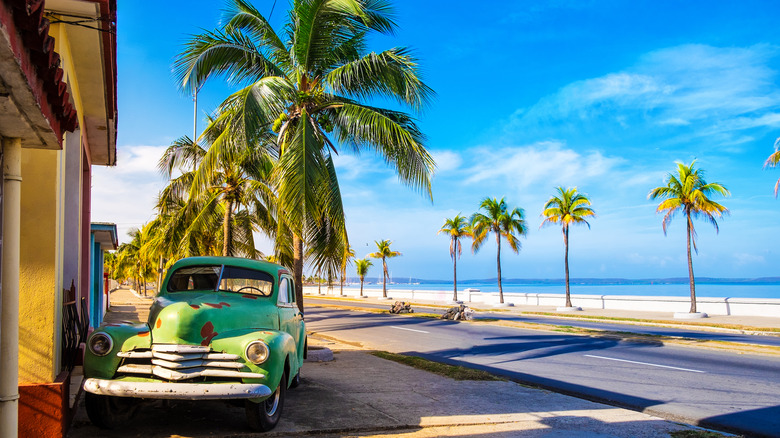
(662, 287)
(577, 281)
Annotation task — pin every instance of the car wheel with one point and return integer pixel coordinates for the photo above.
(296, 380)
(264, 416)
(107, 412)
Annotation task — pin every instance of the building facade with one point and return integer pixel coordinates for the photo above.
(57, 120)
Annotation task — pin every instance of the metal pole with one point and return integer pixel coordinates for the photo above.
(9, 312)
(195, 117)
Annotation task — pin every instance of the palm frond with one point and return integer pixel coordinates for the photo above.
(392, 73)
(227, 53)
(392, 135)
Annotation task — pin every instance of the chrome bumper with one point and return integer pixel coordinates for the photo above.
(184, 391)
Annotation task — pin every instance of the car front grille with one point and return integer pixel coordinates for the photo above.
(183, 362)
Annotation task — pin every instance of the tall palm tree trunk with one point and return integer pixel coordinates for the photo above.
(384, 278)
(690, 268)
(566, 263)
(361, 286)
(227, 238)
(298, 270)
(498, 264)
(455, 277)
(343, 274)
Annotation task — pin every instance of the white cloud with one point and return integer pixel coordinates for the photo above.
(744, 259)
(446, 161)
(549, 163)
(141, 160)
(126, 194)
(724, 90)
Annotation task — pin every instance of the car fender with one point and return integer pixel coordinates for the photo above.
(124, 337)
(281, 348)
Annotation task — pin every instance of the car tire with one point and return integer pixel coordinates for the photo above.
(264, 416)
(107, 412)
(296, 381)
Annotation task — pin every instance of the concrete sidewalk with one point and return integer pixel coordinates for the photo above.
(358, 394)
(748, 323)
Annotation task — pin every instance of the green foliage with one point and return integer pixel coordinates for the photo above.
(362, 266)
(133, 261)
(567, 208)
(774, 161)
(688, 193)
(498, 219)
(456, 228)
(306, 89)
(504, 223)
(384, 252)
(221, 196)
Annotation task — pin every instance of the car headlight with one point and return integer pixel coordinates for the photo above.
(100, 344)
(257, 352)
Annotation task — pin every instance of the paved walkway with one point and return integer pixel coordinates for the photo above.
(358, 394)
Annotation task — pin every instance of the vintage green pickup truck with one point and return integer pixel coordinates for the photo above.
(220, 328)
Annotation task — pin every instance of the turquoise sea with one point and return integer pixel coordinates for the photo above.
(681, 290)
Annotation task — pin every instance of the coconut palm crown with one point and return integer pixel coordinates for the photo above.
(309, 84)
(688, 193)
(568, 207)
(362, 266)
(504, 223)
(456, 228)
(774, 161)
(384, 252)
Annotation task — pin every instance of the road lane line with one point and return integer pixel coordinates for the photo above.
(411, 330)
(645, 363)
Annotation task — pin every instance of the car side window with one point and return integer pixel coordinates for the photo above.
(291, 291)
(284, 295)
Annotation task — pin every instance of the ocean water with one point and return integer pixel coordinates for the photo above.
(661, 290)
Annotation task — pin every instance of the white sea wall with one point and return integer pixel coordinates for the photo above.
(714, 306)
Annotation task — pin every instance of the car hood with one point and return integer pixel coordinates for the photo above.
(195, 318)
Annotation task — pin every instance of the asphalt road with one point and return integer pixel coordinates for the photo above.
(724, 391)
(633, 328)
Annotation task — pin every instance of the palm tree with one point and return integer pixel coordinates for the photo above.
(227, 189)
(456, 228)
(773, 161)
(310, 87)
(362, 265)
(349, 254)
(133, 261)
(384, 252)
(567, 208)
(499, 220)
(109, 264)
(687, 192)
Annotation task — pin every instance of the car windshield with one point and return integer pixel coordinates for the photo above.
(222, 278)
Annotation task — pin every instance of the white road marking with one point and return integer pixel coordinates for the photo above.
(411, 330)
(645, 363)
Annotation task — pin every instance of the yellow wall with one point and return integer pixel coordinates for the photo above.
(42, 238)
(40, 285)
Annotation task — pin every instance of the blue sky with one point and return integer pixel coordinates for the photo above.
(601, 95)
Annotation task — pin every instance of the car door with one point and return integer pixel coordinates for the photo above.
(290, 318)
